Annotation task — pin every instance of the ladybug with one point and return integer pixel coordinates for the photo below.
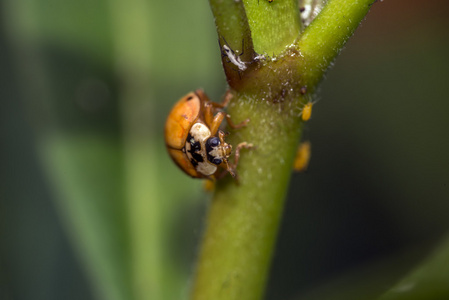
(193, 138)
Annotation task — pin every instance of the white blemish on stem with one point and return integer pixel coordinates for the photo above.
(233, 58)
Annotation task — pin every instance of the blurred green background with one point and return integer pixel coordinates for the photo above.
(91, 207)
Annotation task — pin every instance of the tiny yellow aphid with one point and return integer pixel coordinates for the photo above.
(302, 156)
(307, 111)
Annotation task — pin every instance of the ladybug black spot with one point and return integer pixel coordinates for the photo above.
(197, 157)
(195, 147)
(194, 162)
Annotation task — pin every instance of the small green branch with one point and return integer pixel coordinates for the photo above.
(274, 26)
(324, 38)
(233, 30)
(243, 219)
(230, 18)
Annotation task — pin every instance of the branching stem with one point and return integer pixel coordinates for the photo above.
(243, 220)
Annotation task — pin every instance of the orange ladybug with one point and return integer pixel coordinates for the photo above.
(193, 138)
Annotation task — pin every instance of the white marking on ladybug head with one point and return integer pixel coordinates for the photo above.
(200, 132)
(217, 152)
(206, 168)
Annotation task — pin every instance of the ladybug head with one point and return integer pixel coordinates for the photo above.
(217, 151)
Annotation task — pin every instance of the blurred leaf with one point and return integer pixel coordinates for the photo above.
(82, 25)
(429, 280)
(123, 208)
(366, 281)
(85, 173)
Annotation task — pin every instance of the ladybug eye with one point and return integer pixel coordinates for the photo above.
(213, 142)
(217, 161)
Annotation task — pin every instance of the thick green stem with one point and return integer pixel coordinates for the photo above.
(243, 218)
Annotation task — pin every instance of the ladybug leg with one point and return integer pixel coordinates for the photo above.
(228, 169)
(231, 169)
(202, 95)
(225, 163)
(213, 122)
(231, 124)
(216, 122)
(221, 136)
(237, 152)
(222, 174)
(236, 126)
(227, 98)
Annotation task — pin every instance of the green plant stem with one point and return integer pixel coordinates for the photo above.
(273, 25)
(233, 31)
(324, 38)
(243, 219)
